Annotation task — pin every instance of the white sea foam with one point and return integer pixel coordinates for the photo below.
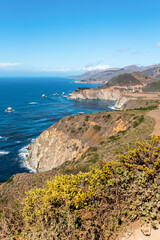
(4, 138)
(3, 153)
(80, 112)
(32, 103)
(113, 108)
(10, 112)
(23, 154)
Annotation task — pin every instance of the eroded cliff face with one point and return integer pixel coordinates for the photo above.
(104, 94)
(52, 148)
(72, 136)
(121, 101)
(111, 93)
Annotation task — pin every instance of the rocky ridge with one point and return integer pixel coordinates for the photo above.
(104, 76)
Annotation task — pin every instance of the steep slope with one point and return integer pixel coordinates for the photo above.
(108, 134)
(131, 79)
(125, 79)
(154, 72)
(71, 137)
(152, 87)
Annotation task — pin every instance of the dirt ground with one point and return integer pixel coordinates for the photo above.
(145, 232)
(138, 231)
(155, 114)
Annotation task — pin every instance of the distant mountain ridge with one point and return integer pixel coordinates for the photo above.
(154, 72)
(130, 79)
(105, 75)
(121, 89)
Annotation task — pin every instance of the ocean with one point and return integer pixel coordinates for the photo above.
(33, 114)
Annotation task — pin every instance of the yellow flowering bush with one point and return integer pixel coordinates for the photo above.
(110, 194)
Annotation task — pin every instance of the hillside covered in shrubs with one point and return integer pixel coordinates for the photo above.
(93, 205)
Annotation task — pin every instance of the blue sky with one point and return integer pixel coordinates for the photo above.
(64, 37)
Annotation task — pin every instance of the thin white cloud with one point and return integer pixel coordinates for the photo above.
(158, 44)
(97, 67)
(87, 67)
(8, 64)
(55, 70)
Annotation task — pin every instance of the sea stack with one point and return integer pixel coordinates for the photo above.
(9, 109)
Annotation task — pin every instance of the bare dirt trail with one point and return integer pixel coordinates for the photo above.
(137, 231)
(155, 114)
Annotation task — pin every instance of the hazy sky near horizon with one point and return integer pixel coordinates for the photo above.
(53, 37)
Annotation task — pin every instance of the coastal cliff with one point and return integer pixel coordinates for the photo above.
(52, 148)
(73, 137)
(92, 140)
(96, 93)
(111, 93)
(121, 89)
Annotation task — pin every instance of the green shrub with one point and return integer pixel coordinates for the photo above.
(93, 149)
(94, 158)
(70, 117)
(122, 132)
(135, 124)
(97, 127)
(73, 131)
(153, 107)
(10, 180)
(141, 119)
(112, 138)
(87, 118)
(106, 117)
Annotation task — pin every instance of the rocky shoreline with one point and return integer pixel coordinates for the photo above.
(116, 94)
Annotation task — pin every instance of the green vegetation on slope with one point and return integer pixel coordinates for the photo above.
(141, 104)
(95, 205)
(152, 87)
(81, 223)
(125, 79)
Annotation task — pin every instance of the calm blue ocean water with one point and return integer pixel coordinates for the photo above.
(33, 114)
